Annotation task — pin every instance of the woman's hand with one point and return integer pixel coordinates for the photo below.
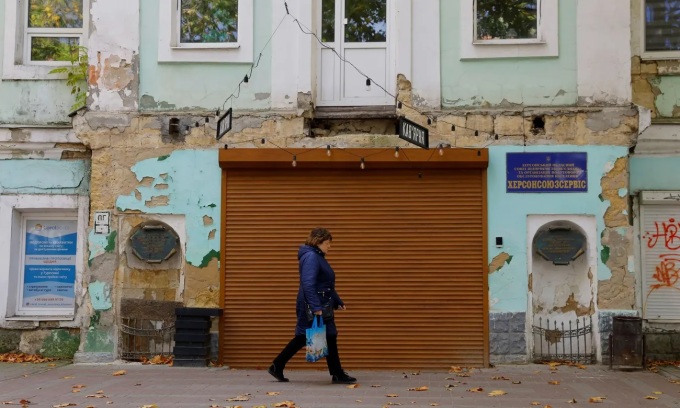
(318, 312)
(342, 307)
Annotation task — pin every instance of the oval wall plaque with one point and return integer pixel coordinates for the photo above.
(560, 245)
(154, 242)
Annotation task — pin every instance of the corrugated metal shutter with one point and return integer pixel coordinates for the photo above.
(660, 241)
(407, 251)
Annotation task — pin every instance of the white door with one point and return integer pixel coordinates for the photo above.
(355, 60)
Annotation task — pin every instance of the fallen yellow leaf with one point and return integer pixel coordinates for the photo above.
(423, 388)
(150, 406)
(120, 372)
(496, 393)
(286, 404)
(651, 397)
(271, 393)
(597, 399)
(478, 389)
(572, 401)
(554, 382)
(657, 392)
(240, 398)
(67, 404)
(391, 395)
(352, 386)
(434, 404)
(535, 403)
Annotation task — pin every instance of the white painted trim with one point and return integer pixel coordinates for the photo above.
(603, 48)
(15, 63)
(545, 45)
(424, 60)
(38, 135)
(11, 209)
(169, 49)
(285, 56)
(660, 197)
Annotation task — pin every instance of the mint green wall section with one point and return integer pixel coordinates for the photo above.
(508, 81)
(32, 102)
(194, 86)
(668, 100)
(508, 218)
(45, 177)
(654, 173)
(193, 189)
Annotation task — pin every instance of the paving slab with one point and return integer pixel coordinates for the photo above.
(95, 385)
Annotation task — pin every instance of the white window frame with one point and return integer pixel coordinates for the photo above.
(13, 209)
(16, 59)
(171, 50)
(643, 43)
(544, 45)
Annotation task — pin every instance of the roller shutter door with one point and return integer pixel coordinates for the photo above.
(407, 251)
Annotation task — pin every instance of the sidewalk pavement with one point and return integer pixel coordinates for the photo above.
(90, 385)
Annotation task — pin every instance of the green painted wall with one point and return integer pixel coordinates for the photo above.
(654, 173)
(45, 177)
(32, 102)
(508, 81)
(194, 86)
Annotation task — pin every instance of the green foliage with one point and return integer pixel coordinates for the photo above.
(76, 75)
(366, 21)
(506, 19)
(209, 21)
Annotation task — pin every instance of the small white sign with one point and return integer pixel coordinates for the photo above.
(102, 222)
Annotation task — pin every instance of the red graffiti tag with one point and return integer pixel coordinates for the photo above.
(667, 271)
(668, 231)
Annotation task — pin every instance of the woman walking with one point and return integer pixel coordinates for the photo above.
(316, 296)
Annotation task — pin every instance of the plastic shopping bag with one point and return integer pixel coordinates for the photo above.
(317, 346)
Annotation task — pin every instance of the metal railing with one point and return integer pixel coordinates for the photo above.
(573, 343)
(144, 338)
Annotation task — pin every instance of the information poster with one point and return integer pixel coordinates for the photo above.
(547, 172)
(50, 264)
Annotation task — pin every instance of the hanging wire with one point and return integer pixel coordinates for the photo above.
(305, 30)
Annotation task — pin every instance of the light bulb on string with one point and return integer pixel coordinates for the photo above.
(396, 152)
(429, 120)
(363, 164)
(368, 84)
(453, 128)
(441, 149)
(294, 161)
(263, 140)
(399, 105)
(245, 79)
(476, 132)
(328, 150)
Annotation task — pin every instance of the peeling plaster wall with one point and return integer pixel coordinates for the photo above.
(508, 286)
(655, 81)
(509, 82)
(201, 86)
(113, 50)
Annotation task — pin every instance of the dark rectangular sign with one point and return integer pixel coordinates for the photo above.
(224, 124)
(414, 133)
(547, 172)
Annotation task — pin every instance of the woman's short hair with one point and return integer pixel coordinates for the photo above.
(317, 236)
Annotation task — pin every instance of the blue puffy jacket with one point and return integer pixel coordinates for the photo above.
(317, 286)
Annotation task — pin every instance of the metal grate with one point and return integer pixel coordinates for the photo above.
(573, 343)
(144, 338)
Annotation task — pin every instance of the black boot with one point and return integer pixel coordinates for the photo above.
(343, 378)
(276, 373)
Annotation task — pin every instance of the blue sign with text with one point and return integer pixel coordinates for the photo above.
(547, 172)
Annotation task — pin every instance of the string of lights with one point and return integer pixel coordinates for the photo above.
(430, 119)
(401, 104)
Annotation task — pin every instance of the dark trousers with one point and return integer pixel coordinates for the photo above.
(298, 342)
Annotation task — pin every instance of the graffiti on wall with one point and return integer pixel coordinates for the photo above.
(664, 237)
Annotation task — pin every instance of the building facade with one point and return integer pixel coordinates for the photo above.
(455, 250)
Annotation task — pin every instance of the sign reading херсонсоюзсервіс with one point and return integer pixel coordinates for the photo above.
(547, 172)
